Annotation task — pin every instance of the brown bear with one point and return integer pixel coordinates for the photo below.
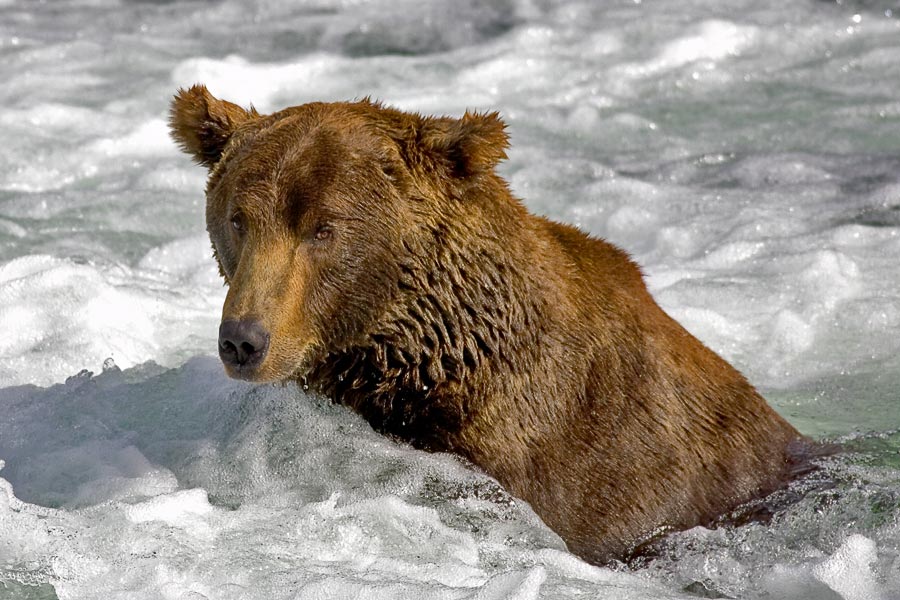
(376, 255)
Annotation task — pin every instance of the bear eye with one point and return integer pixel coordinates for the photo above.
(237, 222)
(324, 232)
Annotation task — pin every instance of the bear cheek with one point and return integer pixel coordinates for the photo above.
(224, 260)
(293, 333)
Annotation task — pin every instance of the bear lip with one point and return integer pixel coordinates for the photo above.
(252, 373)
(242, 372)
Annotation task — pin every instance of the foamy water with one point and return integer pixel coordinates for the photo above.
(748, 158)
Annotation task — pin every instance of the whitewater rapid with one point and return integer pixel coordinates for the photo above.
(745, 155)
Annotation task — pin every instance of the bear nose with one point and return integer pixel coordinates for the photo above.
(242, 343)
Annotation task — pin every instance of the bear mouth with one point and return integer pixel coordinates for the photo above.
(244, 373)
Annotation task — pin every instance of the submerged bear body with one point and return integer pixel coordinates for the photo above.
(377, 255)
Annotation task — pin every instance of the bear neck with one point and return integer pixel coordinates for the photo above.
(465, 310)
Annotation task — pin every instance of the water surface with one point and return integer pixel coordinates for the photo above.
(745, 155)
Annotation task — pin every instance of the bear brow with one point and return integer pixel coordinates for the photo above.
(254, 200)
(307, 170)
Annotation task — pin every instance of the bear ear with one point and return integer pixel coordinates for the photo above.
(202, 124)
(471, 145)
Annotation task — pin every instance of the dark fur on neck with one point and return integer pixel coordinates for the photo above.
(412, 376)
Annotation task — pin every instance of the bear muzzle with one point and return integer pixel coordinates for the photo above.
(243, 345)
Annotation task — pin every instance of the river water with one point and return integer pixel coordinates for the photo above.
(748, 156)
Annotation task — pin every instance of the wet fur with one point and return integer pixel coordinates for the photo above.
(450, 317)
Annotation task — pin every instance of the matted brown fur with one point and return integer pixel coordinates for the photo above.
(393, 270)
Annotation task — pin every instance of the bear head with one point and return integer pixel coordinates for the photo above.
(318, 212)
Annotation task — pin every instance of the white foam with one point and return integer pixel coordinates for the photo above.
(848, 571)
(713, 41)
(396, 519)
(258, 84)
(59, 316)
(790, 334)
(184, 509)
(149, 139)
(516, 585)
